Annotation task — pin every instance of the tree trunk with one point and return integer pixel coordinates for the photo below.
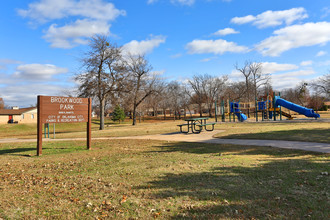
(134, 113)
(102, 106)
(210, 110)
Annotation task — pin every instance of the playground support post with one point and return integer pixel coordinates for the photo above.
(279, 94)
(223, 110)
(215, 111)
(46, 129)
(263, 111)
(274, 107)
(256, 109)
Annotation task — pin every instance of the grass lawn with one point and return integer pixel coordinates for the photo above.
(312, 131)
(143, 179)
(70, 130)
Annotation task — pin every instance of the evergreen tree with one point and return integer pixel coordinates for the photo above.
(118, 114)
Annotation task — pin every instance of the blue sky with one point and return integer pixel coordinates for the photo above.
(42, 41)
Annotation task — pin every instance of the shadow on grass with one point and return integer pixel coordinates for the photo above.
(201, 148)
(15, 151)
(281, 186)
(49, 148)
(309, 135)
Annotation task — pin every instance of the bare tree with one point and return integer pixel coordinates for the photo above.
(103, 72)
(206, 89)
(197, 93)
(142, 81)
(176, 95)
(290, 95)
(245, 70)
(302, 93)
(255, 78)
(2, 104)
(235, 91)
(214, 88)
(258, 77)
(322, 85)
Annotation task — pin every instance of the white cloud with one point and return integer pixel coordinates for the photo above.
(214, 46)
(26, 95)
(9, 61)
(88, 17)
(295, 36)
(272, 67)
(70, 35)
(226, 31)
(143, 47)
(36, 72)
(243, 20)
(272, 18)
(321, 53)
(46, 10)
(290, 79)
(306, 63)
(175, 2)
(235, 75)
(183, 2)
(158, 72)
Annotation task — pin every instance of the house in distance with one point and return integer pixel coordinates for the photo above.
(18, 115)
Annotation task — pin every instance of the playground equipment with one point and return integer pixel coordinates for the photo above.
(294, 107)
(234, 108)
(271, 109)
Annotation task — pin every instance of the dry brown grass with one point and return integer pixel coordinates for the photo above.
(140, 179)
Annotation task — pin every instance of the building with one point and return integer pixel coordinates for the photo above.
(17, 115)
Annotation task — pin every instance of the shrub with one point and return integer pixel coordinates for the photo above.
(118, 114)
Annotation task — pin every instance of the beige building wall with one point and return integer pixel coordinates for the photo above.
(4, 119)
(27, 117)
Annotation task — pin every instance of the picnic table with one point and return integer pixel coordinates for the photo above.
(196, 125)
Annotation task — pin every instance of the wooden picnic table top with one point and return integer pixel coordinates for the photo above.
(196, 119)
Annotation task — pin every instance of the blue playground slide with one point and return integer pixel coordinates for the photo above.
(241, 117)
(234, 107)
(294, 107)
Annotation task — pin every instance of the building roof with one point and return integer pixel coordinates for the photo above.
(15, 111)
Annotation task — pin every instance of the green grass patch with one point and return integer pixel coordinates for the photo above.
(303, 131)
(143, 179)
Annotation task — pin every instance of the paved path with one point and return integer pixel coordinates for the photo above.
(206, 137)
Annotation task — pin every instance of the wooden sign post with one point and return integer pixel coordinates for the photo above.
(56, 109)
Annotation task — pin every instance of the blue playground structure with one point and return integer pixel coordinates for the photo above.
(273, 108)
(294, 107)
(234, 108)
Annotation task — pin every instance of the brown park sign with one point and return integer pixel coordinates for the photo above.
(56, 109)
